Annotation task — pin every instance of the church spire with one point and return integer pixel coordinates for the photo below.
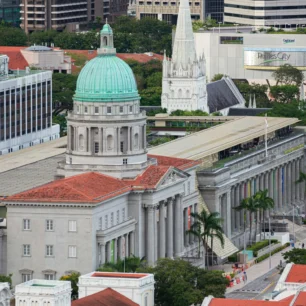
(184, 46)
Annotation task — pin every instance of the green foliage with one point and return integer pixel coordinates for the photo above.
(284, 93)
(73, 278)
(260, 245)
(160, 140)
(42, 37)
(150, 96)
(10, 36)
(130, 264)
(178, 283)
(217, 77)
(63, 90)
(155, 80)
(154, 112)
(233, 257)
(80, 59)
(61, 120)
(260, 92)
(79, 41)
(179, 112)
(263, 257)
(6, 279)
(288, 75)
(297, 256)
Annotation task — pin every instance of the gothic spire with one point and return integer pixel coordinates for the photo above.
(184, 46)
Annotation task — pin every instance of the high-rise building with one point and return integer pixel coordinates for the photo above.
(52, 14)
(10, 11)
(265, 13)
(25, 108)
(214, 9)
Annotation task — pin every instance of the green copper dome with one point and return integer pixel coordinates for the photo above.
(106, 78)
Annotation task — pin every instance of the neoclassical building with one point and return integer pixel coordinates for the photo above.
(111, 199)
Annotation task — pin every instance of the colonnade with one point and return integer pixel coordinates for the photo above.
(96, 140)
(117, 248)
(165, 235)
(281, 185)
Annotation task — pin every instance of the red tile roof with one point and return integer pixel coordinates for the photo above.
(89, 187)
(150, 177)
(139, 57)
(231, 302)
(107, 297)
(119, 275)
(180, 163)
(17, 61)
(297, 274)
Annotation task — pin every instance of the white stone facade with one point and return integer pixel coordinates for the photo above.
(5, 294)
(184, 77)
(138, 287)
(43, 293)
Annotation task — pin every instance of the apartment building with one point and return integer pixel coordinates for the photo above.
(25, 108)
(283, 13)
(39, 15)
(10, 11)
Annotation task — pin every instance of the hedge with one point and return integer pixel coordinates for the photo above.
(263, 257)
(260, 245)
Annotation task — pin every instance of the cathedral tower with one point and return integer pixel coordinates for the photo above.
(184, 77)
(106, 130)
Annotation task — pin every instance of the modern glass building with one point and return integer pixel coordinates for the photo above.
(10, 11)
(214, 9)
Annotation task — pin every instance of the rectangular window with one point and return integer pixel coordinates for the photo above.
(26, 250)
(49, 250)
(49, 276)
(72, 251)
(86, 110)
(121, 146)
(106, 221)
(121, 109)
(125, 161)
(72, 226)
(78, 109)
(96, 110)
(118, 216)
(96, 147)
(49, 225)
(26, 224)
(233, 40)
(188, 187)
(123, 214)
(131, 108)
(26, 277)
(112, 219)
(109, 110)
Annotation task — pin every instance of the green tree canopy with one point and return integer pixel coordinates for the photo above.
(42, 37)
(6, 279)
(217, 77)
(10, 36)
(297, 256)
(178, 283)
(74, 279)
(284, 93)
(288, 75)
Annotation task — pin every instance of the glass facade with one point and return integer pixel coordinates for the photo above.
(214, 9)
(10, 11)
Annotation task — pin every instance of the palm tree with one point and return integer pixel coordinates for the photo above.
(264, 203)
(248, 204)
(206, 225)
(216, 232)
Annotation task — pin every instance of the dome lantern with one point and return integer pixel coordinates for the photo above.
(106, 40)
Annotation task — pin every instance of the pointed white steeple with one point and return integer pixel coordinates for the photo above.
(184, 45)
(250, 102)
(254, 102)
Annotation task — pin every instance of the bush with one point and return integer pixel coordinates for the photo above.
(260, 245)
(263, 257)
(233, 257)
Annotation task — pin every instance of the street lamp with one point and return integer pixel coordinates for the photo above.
(219, 26)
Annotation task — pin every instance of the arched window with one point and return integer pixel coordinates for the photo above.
(187, 93)
(172, 93)
(180, 93)
(136, 141)
(81, 142)
(110, 142)
(105, 41)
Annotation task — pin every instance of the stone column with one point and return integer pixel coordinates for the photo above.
(104, 149)
(102, 250)
(108, 245)
(237, 203)
(118, 139)
(285, 194)
(241, 198)
(100, 140)
(127, 253)
(144, 137)
(115, 250)
(178, 226)
(150, 234)
(191, 237)
(170, 228)
(280, 189)
(129, 139)
(289, 176)
(228, 214)
(89, 141)
(233, 213)
(293, 180)
(120, 247)
(156, 242)
(132, 241)
(162, 231)
(186, 236)
(297, 174)
(275, 188)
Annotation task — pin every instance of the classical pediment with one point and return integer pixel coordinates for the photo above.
(173, 176)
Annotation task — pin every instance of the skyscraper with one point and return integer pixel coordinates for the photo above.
(214, 9)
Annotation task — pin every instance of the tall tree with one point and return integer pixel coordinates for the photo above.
(288, 75)
(284, 93)
(264, 203)
(10, 36)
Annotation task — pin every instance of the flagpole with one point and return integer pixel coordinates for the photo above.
(266, 136)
